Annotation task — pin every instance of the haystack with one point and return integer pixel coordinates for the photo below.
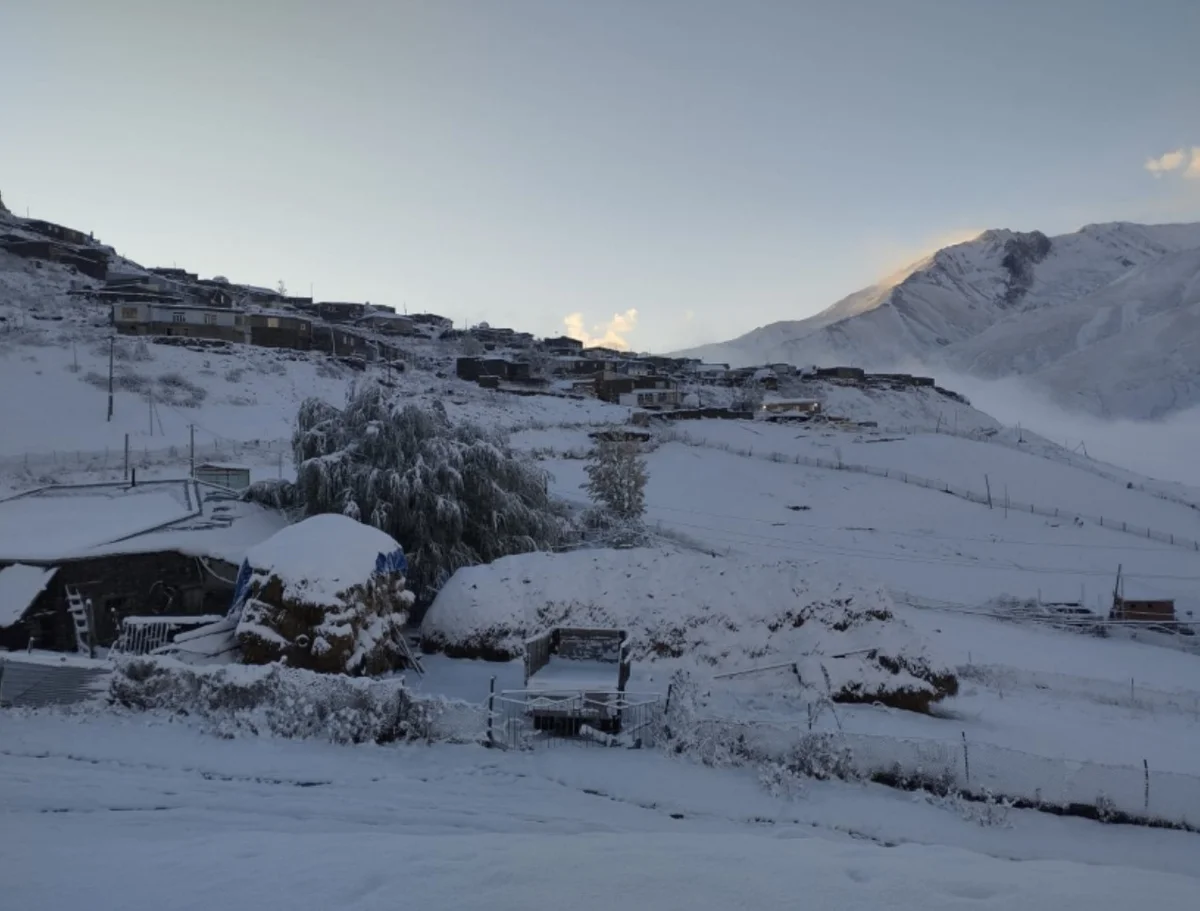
(327, 594)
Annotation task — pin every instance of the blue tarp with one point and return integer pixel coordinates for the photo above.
(390, 564)
(240, 588)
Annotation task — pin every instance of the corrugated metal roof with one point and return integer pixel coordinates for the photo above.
(36, 684)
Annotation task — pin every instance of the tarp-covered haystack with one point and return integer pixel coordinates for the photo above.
(327, 594)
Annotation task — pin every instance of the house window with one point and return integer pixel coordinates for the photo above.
(179, 317)
(129, 313)
(210, 319)
(272, 322)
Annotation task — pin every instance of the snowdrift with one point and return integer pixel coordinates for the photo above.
(325, 594)
(692, 611)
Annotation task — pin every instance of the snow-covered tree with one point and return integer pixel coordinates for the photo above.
(616, 480)
(748, 396)
(452, 494)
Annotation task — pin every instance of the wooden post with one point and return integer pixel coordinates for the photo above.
(988, 484)
(966, 758)
(112, 347)
(491, 740)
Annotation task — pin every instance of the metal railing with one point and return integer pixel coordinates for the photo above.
(523, 719)
(143, 635)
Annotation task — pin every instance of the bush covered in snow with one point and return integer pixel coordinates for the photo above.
(452, 494)
(277, 701)
(701, 612)
(317, 598)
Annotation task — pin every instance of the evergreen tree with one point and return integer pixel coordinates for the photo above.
(617, 481)
(452, 494)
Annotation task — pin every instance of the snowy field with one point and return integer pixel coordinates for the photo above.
(147, 814)
(909, 538)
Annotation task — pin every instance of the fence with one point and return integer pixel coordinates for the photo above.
(522, 719)
(1137, 794)
(142, 635)
(265, 452)
(1065, 456)
(960, 492)
(34, 684)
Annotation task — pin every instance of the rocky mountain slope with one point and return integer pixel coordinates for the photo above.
(1106, 319)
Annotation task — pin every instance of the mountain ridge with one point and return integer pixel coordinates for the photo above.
(959, 308)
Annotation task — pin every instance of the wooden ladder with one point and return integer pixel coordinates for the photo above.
(80, 610)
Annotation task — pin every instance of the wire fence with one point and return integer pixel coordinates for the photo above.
(112, 459)
(1109, 792)
(523, 719)
(962, 493)
(1063, 456)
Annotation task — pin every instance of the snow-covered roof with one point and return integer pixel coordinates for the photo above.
(63, 523)
(320, 557)
(19, 586)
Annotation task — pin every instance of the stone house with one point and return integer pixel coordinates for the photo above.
(163, 548)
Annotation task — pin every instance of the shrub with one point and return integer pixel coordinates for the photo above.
(277, 701)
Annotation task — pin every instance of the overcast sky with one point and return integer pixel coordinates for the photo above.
(712, 166)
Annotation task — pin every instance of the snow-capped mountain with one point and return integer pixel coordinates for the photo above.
(1106, 319)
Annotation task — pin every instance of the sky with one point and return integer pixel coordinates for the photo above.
(656, 173)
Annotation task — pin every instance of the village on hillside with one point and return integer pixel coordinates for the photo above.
(173, 306)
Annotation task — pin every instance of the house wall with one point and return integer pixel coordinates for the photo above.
(122, 585)
(149, 318)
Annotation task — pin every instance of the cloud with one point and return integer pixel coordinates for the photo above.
(1163, 448)
(609, 335)
(1193, 168)
(1171, 161)
(1185, 160)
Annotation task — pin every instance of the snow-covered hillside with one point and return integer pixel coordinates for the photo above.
(1106, 319)
(239, 401)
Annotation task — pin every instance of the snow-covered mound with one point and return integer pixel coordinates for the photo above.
(1103, 319)
(326, 594)
(318, 559)
(694, 611)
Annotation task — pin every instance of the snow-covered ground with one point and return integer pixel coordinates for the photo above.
(146, 813)
(131, 813)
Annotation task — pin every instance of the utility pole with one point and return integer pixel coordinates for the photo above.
(989, 490)
(192, 449)
(112, 348)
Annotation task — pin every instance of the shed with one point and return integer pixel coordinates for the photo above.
(231, 477)
(1144, 611)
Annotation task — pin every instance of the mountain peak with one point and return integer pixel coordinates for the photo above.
(1036, 298)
